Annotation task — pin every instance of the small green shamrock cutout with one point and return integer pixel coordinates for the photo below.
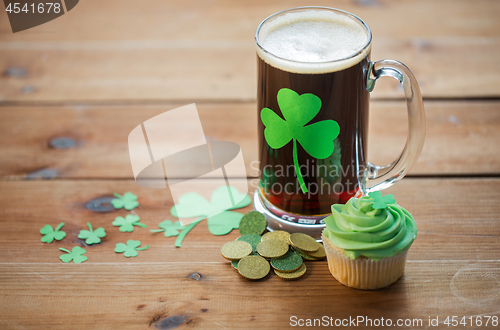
(127, 224)
(52, 234)
(130, 249)
(298, 110)
(170, 229)
(76, 255)
(128, 201)
(92, 236)
(379, 201)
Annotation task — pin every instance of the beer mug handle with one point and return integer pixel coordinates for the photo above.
(381, 177)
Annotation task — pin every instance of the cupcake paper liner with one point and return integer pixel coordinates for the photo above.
(364, 273)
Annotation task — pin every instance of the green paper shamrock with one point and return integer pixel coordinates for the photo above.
(130, 249)
(185, 231)
(52, 234)
(92, 236)
(298, 110)
(128, 201)
(223, 223)
(220, 220)
(127, 224)
(76, 255)
(194, 205)
(170, 229)
(379, 201)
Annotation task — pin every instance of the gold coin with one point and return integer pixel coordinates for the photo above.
(290, 262)
(302, 254)
(253, 239)
(318, 255)
(292, 275)
(303, 242)
(236, 250)
(272, 249)
(253, 222)
(253, 267)
(279, 235)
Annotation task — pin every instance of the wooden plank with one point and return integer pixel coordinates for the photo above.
(453, 266)
(205, 51)
(222, 19)
(448, 230)
(452, 128)
(135, 295)
(459, 135)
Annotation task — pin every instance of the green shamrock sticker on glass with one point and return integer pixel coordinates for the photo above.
(380, 202)
(168, 228)
(127, 224)
(77, 255)
(128, 201)
(298, 110)
(130, 249)
(51, 234)
(92, 236)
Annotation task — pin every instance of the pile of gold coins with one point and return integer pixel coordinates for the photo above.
(253, 254)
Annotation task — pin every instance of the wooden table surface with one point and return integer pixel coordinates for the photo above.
(95, 73)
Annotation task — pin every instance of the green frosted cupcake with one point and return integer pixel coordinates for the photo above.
(367, 241)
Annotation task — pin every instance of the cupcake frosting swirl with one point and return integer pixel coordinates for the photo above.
(361, 230)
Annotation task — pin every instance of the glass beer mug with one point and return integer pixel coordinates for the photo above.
(314, 80)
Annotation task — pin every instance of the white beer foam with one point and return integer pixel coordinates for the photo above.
(313, 41)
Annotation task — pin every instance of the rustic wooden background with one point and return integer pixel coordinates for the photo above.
(90, 76)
